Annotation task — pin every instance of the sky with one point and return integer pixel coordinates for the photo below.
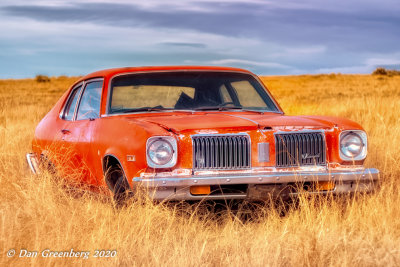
(284, 37)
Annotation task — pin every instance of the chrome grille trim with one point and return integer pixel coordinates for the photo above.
(294, 149)
(221, 152)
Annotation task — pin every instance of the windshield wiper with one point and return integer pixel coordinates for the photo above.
(204, 108)
(128, 110)
(218, 107)
(224, 108)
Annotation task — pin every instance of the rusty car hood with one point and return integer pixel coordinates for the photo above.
(201, 121)
(243, 121)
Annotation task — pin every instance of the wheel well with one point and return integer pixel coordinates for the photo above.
(110, 162)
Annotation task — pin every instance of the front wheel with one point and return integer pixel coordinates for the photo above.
(118, 185)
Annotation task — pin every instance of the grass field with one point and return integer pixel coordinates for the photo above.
(37, 214)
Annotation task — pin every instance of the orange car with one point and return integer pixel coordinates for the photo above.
(193, 132)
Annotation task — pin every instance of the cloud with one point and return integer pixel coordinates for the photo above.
(248, 63)
(367, 66)
(268, 37)
(384, 61)
(191, 45)
(306, 50)
(301, 24)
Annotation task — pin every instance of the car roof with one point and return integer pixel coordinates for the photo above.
(112, 72)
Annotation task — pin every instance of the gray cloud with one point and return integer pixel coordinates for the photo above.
(281, 37)
(178, 44)
(349, 30)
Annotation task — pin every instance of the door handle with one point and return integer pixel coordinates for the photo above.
(65, 131)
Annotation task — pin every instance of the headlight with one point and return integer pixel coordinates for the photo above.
(161, 152)
(353, 145)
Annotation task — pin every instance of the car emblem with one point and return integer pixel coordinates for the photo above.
(307, 156)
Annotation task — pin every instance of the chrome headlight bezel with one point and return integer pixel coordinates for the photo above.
(170, 141)
(363, 141)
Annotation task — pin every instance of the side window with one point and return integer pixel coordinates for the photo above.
(71, 104)
(89, 106)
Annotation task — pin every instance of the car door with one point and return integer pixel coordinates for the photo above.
(78, 132)
(61, 151)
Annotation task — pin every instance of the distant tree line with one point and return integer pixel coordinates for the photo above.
(42, 78)
(383, 71)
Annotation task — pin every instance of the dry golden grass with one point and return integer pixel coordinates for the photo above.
(38, 214)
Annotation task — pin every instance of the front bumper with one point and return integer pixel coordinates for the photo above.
(259, 185)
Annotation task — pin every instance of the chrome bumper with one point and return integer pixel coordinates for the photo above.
(175, 188)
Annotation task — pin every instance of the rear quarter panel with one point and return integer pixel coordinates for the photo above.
(47, 131)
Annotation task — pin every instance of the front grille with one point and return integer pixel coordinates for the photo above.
(221, 152)
(300, 149)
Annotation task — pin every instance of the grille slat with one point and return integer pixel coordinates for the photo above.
(300, 149)
(221, 152)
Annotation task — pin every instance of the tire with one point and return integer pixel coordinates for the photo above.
(118, 185)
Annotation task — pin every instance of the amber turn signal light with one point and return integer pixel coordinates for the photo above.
(200, 190)
(325, 186)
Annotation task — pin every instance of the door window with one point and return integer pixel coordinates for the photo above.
(71, 104)
(89, 106)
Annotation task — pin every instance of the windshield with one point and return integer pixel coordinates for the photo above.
(188, 90)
